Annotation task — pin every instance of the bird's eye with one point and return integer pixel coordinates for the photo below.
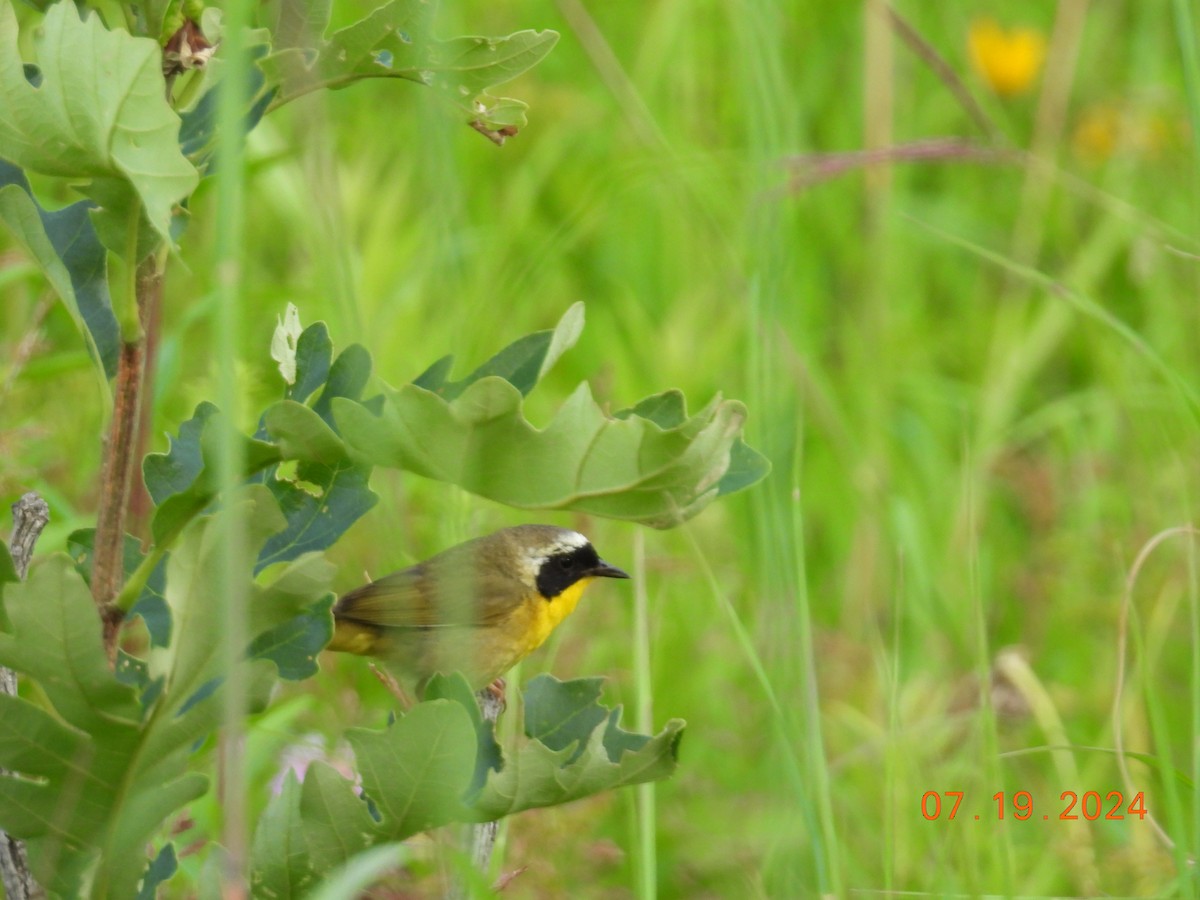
(565, 563)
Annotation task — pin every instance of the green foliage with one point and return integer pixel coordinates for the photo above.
(98, 761)
(575, 747)
(396, 41)
(99, 772)
(150, 604)
(160, 869)
(65, 247)
(316, 458)
(308, 829)
(421, 772)
(8, 571)
(628, 467)
(438, 764)
(95, 109)
(120, 132)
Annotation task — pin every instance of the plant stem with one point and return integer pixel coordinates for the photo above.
(141, 507)
(119, 463)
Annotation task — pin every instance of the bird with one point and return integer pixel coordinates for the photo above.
(477, 608)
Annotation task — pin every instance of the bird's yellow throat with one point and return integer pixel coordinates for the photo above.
(549, 613)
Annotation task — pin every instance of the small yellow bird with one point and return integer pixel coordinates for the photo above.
(478, 608)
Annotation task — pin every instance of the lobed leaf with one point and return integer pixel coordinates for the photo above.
(583, 459)
(396, 41)
(576, 748)
(522, 363)
(308, 829)
(314, 353)
(417, 771)
(76, 795)
(327, 491)
(99, 112)
(104, 764)
(652, 463)
(184, 481)
(439, 763)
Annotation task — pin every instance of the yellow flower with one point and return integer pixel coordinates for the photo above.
(1008, 60)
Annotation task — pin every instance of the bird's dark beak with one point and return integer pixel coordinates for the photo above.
(604, 570)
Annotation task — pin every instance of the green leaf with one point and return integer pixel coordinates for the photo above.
(576, 748)
(177, 509)
(298, 24)
(291, 629)
(70, 661)
(582, 460)
(198, 127)
(522, 363)
(301, 433)
(419, 774)
(331, 499)
(352, 879)
(488, 754)
(348, 377)
(652, 463)
(98, 774)
(396, 41)
(417, 771)
(65, 247)
(320, 497)
(90, 750)
(159, 871)
(195, 574)
(314, 350)
(746, 467)
(306, 830)
(562, 714)
(150, 604)
(174, 471)
(327, 491)
(100, 113)
(8, 569)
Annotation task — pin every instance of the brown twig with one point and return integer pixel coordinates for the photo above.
(30, 516)
(140, 504)
(119, 465)
(809, 169)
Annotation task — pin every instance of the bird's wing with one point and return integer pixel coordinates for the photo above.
(420, 598)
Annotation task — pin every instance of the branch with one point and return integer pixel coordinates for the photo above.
(30, 515)
(119, 465)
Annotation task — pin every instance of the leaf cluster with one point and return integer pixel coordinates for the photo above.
(106, 757)
(439, 763)
(96, 760)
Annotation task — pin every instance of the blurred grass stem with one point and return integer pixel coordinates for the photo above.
(232, 103)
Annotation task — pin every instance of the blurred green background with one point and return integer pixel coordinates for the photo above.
(967, 334)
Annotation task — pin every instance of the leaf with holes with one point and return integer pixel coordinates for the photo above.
(396, 41)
